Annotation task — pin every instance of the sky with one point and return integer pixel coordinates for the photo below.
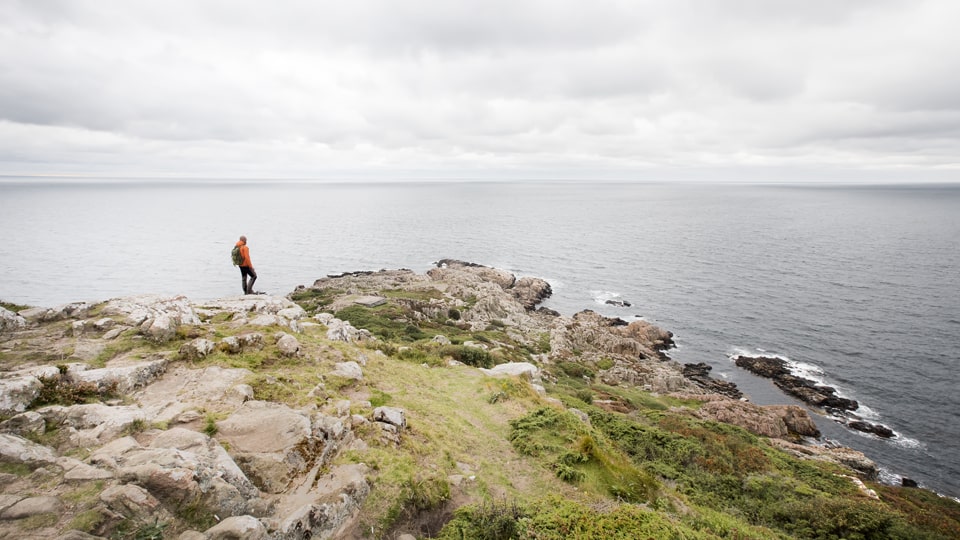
(733, 90)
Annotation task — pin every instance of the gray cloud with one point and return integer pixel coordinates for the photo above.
(589, 89)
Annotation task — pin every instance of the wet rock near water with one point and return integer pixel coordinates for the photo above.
(700, 374)
(804, 389)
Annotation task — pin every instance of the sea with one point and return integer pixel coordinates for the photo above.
(856, 286)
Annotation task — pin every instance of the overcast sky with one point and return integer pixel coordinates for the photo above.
(821, 90)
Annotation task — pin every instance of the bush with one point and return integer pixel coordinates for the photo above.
(59, 390)
(472, 356)
(493, 520)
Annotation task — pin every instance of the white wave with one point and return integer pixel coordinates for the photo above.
(867, 413)
(906, 442)
(736, 351)
(888, 477)
(601, 297)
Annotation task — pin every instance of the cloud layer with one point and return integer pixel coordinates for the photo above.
(742, 89)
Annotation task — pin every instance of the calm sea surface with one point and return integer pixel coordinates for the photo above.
(859, 286)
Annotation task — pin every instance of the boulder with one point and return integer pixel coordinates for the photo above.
(348, 370)
(288, 345)
(868, 427)
(59, 313)
(17, 393)
(10, 320)
(16, 449)
(131, 501)
(197, 349)
(136, 310)
(390, 415)
(32, 506)
(126, 377)
(237, 528)
(161, 328)
(514, 369)
(530, 291)
(29, 423)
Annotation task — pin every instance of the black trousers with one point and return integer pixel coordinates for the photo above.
(244, 272)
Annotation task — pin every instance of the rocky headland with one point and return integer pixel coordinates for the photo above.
(394, 404)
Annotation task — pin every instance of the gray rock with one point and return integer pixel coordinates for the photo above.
(130, 500)
(390, 415)
(77, 328)
(441, 339)
(268, 440)
(93, 424)
(138, 309)
(32, 506)
(78, 471)
(514, 369)
(197, 349)
(237, 528)
(231, 345)
(104, 324)
(16, 394)
(15, 449)
(127, 378)
(10, 320)
(338, 496)
(288, 345)
(114, 332)
(66, 311)
(370, 301)
(348, 370)
(25, 423)
(192, 535)
(161, 328)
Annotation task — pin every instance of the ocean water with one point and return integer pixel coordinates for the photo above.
(857, 286)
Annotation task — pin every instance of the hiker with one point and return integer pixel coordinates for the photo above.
(246, 267)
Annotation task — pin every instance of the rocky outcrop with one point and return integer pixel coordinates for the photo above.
(700, 374)
(184, 431)
(840, 455)
(775, 421)
(804, 389)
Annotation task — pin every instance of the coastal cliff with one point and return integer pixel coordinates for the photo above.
(394, 404)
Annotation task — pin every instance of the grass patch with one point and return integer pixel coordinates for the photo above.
(17, 469)
(578, 454)
(85, 494)
(38, 521)
(9, 306)
(87, 521)
(314, 300)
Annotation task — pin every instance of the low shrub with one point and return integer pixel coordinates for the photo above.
(472, 356)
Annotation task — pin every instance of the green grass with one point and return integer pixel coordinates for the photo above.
(13, 307)
(314, 300)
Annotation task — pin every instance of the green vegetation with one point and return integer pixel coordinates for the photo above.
(12, 307)
(314, 300)
(60, 390)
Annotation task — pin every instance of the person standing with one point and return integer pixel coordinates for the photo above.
(246, 267)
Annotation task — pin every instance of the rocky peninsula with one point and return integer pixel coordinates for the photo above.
(394, 404)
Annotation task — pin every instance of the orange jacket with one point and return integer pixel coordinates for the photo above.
(244, 254)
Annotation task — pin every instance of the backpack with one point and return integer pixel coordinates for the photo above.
(236, 256)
